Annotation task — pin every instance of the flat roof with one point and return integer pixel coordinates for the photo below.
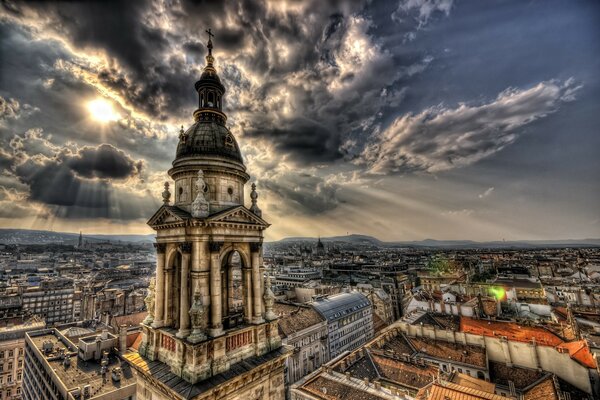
(81, 373)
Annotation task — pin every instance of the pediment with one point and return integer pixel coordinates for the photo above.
(167, 215)
(239, 215)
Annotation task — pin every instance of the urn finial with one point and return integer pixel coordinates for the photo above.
(166, 195)
(253, 196)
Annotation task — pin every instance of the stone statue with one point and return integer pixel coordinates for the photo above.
(269, 298)
(254, 207)
(200, 205)
(197, 312)
(149, 300)
(166, 195)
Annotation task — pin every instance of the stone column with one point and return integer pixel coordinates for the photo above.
(159, 309)
(167, 317)
(247, 276)
(256, 284)
(216, 325)
(184, 293)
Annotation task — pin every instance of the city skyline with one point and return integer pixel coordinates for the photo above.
(404, 121)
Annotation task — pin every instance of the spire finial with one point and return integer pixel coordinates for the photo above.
(209, 57)
(210, 45)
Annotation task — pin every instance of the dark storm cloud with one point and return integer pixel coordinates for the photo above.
(250, 33)
(100, 25)
(76, 182)
(104, 161)
(303, 193)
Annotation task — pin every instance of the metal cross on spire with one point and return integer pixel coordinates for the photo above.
(210, 46)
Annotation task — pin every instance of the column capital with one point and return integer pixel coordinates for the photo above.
(215, 247)
(255, 246)
(185, 247)
(160, 247)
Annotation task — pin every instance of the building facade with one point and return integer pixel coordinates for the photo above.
(57, 369)
(305, 330)
(12, 357)
(53, 300)
(349, 321)
(211, 326)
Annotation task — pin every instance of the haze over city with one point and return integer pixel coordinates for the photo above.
(403, 120)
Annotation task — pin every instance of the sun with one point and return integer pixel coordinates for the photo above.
(102, 110)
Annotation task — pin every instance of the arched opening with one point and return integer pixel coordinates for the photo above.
(480, 375)
(211, 99)
(232, 290)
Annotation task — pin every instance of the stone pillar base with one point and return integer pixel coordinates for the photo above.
(214, 332)
(196, 337)
(182, 333)
(258, 320)
(158, 324)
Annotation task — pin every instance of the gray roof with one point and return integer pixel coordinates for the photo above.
(209, 138)
(339, 305)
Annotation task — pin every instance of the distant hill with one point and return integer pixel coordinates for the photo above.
(27, 236)
(450, 244)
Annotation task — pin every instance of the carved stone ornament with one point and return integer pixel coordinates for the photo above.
(166, 195)
(149, 301)
(160, 247)
(200, 206)
(197, 312)
(186, 247)
(254, 207)
(269, 298)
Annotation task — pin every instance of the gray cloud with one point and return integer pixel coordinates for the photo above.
(441, 138)
(302, 193)
(104, 161)
(421, 10)
(77, 182)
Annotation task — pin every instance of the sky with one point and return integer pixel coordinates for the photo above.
(404, 119)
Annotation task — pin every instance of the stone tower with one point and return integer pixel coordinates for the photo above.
(210, 332)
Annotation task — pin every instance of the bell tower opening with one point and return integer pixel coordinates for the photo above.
(233, 290)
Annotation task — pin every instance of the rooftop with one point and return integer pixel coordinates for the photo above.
(339, 305)
(298, 320)
(456, 352)
(511, 330)
(79, 373)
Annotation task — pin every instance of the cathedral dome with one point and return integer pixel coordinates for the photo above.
(208, 138)
(208, 150)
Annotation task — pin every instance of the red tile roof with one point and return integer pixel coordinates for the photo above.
(511, 330)
(580, 352)
(136, 343)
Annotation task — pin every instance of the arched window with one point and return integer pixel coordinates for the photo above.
(211, 99)
(232, 289)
